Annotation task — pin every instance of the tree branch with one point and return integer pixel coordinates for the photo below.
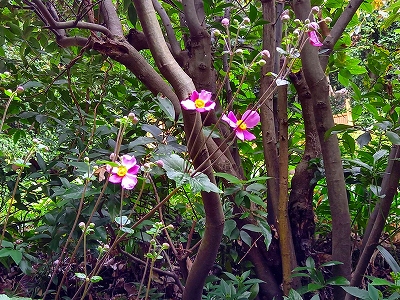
(53, 24)
(175, 47)
(191, 18)
(111, 18)
(338, 29)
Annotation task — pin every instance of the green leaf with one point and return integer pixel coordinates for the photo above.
(230, 178)
(373, 292)
(389, 259)
(96, 278)
(229, 226)
(381, 281)
(201, 182)
(166, 106)
(314, 287)
(338, 280)
(16, 255)
(132, 15)
(251, 227)
(354, 291)
(364, 139)
(80, 275)
(337, 129)
(393, 137)
(246, 238)
(331, 263)
(293, 295)
(122, 220)
(379, 154)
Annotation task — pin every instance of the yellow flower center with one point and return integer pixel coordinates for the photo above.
(199, 103)
(122, 170)
(242, 125)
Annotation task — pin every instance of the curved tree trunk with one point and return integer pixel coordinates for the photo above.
(319, 88)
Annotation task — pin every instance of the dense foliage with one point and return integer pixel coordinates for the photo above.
(187, 149)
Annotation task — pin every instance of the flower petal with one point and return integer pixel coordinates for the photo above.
(230, 119)
(129, 181)
(133, 170)
(194, 96)
(128, 161)
(314, 40)
(205, 95)
(239, 134)
(251, 118)
(248, 136)
(188, 104)
(114, 178)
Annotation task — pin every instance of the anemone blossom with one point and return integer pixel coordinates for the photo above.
(248, 120)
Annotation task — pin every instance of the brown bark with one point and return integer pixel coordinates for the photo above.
(267, 113)
(378, 217)
(319, 87)
(285, 235)
(301, 210)
(196, 143)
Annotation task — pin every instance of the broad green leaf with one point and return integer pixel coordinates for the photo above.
(373, 292)
(245, 237)
(379, 154)
(201, 182)
(230, 178)
(364, 139)
(362, 294)
(80, 275)
(251, 227)
(337, 129)
(393, 137)
(389, 259)
(95, 279)
(122, 220)
(166, 106)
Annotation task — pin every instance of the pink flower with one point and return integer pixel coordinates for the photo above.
(265, 53)
(159, 163)
(313, 26)
(125, 172)
(225, 22)
(201, 102)
(314, 40)
(248, 120)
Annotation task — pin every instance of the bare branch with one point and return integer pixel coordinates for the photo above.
(53, 24)
(175, 47)
(72, 41)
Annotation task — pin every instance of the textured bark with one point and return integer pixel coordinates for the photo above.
(267, 113)
(319, 88)
(196, 143)
(288, 255)
(301, 210)
(378, 217)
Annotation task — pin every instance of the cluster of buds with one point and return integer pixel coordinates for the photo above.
(89, 229)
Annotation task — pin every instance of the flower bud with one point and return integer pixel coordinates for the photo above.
(106, 246)
(165, 246)
(133, 118)
(113, 156)
(91, 225)
(239, 51)
(246, 20)
(36, 141)
(225, 22)
(146, 166)
(170, 226)
(328, 20)
(313, 26)
(297, 21)
(262, 62)
(20, 89)
(296, 31)
(153, 242)
(265, 53)
(285, 15)
(86, 159)
(159, 163)
(315, 10)
(216, 32)
(81, 225)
